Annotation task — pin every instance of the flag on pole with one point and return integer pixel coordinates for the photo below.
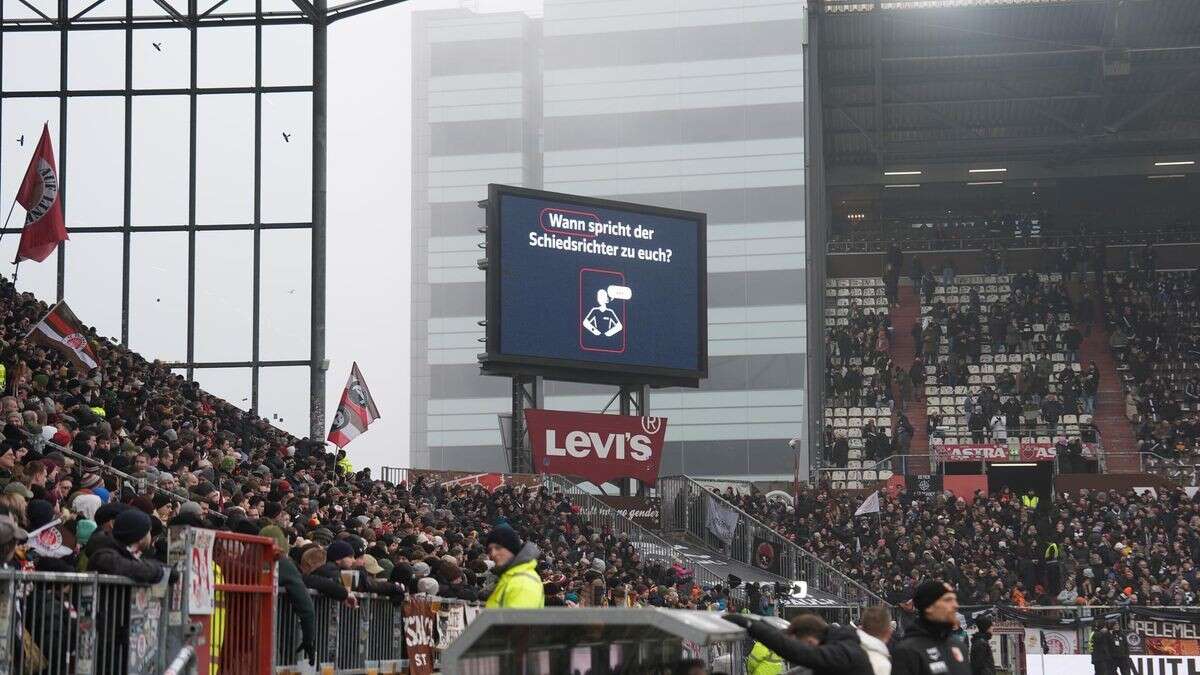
(61, 330)
(355, 412)
(39, 196)
(869, 505)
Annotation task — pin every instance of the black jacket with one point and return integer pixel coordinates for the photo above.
(327, 581)
(928, 649)
(107, 556)
(982, 662)
(840, 654)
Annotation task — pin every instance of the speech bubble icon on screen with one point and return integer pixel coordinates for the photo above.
(620, 292)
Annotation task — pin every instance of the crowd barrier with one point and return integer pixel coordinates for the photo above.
(1037, 640)
(686, 507)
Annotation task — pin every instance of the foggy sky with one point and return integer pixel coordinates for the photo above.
(368, 207)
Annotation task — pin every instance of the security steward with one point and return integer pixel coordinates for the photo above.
(518, 585)
(928, 648)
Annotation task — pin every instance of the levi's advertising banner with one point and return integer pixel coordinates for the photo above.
(596, 447)
(599, 285)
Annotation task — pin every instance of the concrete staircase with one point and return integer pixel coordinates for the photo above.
(1116, 433)
(903, 349)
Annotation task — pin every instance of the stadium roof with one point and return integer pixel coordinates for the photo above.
(961, 80)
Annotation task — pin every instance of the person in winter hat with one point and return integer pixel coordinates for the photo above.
(928, 647)
(518, 585)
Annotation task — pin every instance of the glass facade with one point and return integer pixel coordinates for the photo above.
(691, 105)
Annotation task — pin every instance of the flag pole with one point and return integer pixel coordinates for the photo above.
(8, 218)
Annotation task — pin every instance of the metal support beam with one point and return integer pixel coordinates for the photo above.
(1153, 102)
(941, 116)
(63, 75)
(193, 122)
(127, 195)
(256, 281)
(635, 399)
(867, 137)
(316, 372)
(877, 90)
(527, 392)
(1035, 104)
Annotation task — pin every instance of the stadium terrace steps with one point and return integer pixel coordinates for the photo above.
(903, 348)
(1116, 432)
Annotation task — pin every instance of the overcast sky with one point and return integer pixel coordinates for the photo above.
(369, 202)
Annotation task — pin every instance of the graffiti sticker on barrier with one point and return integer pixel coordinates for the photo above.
(202, 585)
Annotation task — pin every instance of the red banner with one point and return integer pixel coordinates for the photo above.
(595, 447)
(1001, 452)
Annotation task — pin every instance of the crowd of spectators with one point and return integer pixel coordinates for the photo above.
(1090, 548)
(1154, 319)
(114, 459)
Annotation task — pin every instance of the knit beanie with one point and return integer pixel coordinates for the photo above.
(131, 526)
(929, 592)
(277, 534)
(83, 530)
(505, 537)
(338, 550)
(39, 512)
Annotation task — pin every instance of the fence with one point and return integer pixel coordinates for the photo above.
(1182, 471)
(685, 505)
(1023, 637)
(649, 545)
(865, 476)
(80, 623)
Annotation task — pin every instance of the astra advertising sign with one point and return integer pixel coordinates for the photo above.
(595, 447)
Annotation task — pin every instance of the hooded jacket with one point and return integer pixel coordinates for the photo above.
(928, 649)
(840, 653)
(518, 585)
(982, 662)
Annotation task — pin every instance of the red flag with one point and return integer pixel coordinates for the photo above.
(61, 330)
(39, 196)
(356, 411)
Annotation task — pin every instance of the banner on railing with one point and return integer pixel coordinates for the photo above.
(1163, 636)
(420, 636)
(643, 511)
(766, 556)
(926, 485)
(202, 584)
(597, 448)
(1050, 641)
(722, 519)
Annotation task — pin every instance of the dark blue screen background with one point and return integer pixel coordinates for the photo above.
(545, 293)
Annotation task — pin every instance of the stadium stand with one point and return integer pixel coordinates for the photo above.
(1091, 548)
(1001, 360)
(1154, 319)
(135, 436)
(858, 420)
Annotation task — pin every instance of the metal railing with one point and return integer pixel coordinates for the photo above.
(66, 623)
(650, 546)
(685, 508)
(1182, 471)
(349, 639)
(900, 465)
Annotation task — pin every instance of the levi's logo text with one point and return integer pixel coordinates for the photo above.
(596, 447)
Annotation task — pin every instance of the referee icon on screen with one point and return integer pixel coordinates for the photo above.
(601, 319)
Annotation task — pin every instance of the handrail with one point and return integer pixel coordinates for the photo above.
(101, 466)
(594, 507)
(884, 464)
(791, 552)
(1163, 466)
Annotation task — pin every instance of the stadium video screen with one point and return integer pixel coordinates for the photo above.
(596, 286)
